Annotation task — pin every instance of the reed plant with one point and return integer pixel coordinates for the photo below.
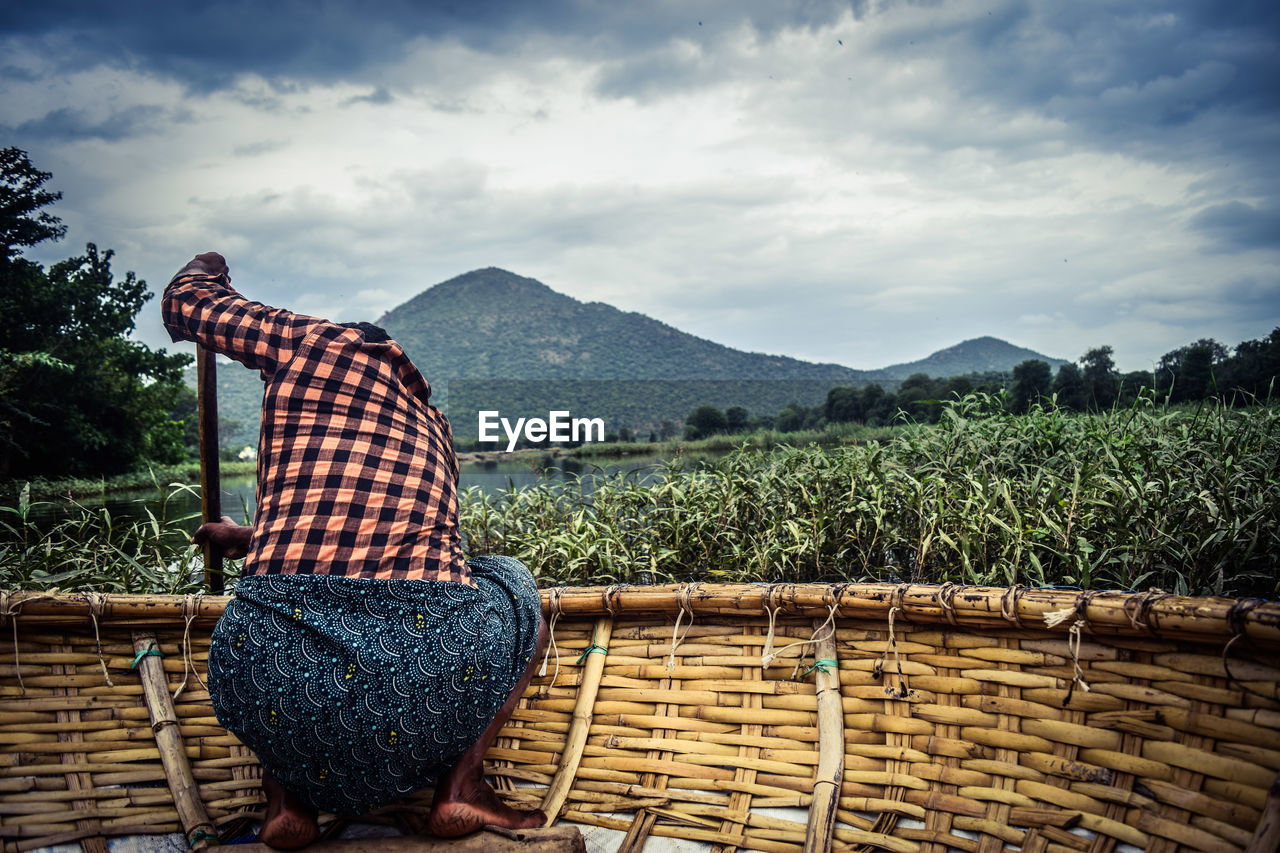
(1187, 500)
(90, 549)
(1184, 499)
(762, 439)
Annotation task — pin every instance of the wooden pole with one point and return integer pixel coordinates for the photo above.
(830, 773)
(210, 474)
(592, 669)
(1200, 620)
(164, 722)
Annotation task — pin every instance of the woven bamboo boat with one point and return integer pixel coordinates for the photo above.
(782, 717)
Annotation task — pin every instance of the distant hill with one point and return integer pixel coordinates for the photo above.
(979, 355)
(491, 324)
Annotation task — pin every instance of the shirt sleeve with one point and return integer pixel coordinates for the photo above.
(208, 310)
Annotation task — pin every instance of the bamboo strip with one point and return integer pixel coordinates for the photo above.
(593, 667)
(186, 797)
(830, 770)
(1266, 837)
(79, 782)
(979, 607)
(733, 824)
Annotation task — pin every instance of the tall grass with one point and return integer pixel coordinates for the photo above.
(91, 550)
(762, 439)
(51, 490)
(1186, 500)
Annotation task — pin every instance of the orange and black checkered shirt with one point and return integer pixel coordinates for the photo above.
(356, 470)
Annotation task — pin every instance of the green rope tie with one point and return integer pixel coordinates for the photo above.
(590, 649)
(149, 650)
(201, 834)
(827, 665)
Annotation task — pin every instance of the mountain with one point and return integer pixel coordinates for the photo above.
(978, 355)
(490, 339)
(493, 324)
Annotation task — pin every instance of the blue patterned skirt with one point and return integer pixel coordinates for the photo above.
(354, 692)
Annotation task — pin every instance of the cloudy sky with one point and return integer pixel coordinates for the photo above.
(860, 183)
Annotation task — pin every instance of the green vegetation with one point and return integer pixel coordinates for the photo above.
(831, 435)
(1186, 499)
(1197, 372)
(91, 488)
(90, 550)
(77, 397)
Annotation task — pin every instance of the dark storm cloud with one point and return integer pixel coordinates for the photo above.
(1236, 225)
(1131, 71)
(72, 124)
(206, 44)
(1134, 75)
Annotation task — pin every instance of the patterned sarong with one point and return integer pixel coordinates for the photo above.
(354, 692)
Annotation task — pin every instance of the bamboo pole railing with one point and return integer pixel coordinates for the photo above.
(831, 745)
(1154, 613)
(593, 658)
(196, 826)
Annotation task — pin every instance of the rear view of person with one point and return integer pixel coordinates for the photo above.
(362, 657)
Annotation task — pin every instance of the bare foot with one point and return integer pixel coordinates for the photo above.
(459, 812)
(290, 822)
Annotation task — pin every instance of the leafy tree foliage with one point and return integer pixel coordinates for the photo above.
(1069, 388)
(736, 418)
(1100, 380)
(1191, 372)
(1032, 381)
(22, 222)
(77, 397)
(705, 420)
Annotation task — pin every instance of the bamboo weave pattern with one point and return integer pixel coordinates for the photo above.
(962, 720)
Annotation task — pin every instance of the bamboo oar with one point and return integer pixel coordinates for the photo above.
(592, 668)
(196, 825)
(210, 475)
(831, 745)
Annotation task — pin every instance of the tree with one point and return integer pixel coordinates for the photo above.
(1132, 385)
(1032, 380)
(877, 406)
(791, 418)
(22, 222)
(1255, 366)
(918, 397)
(735, 418)
(1100, 380)
(957, 387)
(844, 405)
(1069, 388)
(79, 398)
(1190, 372)
(705, 421)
